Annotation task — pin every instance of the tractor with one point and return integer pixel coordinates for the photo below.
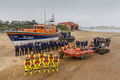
(102, 47)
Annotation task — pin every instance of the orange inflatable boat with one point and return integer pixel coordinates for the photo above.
(78, 52)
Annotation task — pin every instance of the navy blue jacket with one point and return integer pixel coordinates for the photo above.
(63, 43)
(66, 43)
(77, 42)
(94, 40)
(57, 44)
(82, 43)
(60, 44)
(48, 45)
(37, 46)
(21, 47)
(16, 48)
(26, 46)
(65, 35)
(33, 46)
(69, 33)
(42, 44)
(30, 45)
(50, 42)
(86, 43)
(53, 44)
(62, 33)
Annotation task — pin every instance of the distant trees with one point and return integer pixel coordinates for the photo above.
(6, 25)
(62, 27)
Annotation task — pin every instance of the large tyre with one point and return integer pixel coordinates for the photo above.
(85, 57)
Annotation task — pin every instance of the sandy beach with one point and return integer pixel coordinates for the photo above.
(95, 67)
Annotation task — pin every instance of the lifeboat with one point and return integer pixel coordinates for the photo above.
(78, 52)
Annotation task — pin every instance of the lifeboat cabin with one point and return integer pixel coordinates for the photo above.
(42, 29)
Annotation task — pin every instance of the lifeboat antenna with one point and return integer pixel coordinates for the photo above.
(44, 13)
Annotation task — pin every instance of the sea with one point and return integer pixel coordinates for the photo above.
(115, 30)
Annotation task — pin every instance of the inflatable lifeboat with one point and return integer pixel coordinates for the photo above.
(78, 52)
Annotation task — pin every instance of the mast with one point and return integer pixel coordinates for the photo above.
(53, 12)
(44, 13)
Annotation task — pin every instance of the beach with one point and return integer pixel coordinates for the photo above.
(95, 67)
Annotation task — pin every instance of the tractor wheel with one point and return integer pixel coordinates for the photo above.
(85, 57)
(81, 58)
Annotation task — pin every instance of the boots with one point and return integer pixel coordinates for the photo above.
(39, 71)
(57, 70)
(34, 71)
(25, 74)
(44, 71)
(62, 59)
(30, 72)
(53, 70)
(48, 71)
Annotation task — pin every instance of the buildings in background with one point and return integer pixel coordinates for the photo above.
(70, 25)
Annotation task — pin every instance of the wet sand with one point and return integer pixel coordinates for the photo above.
(95, 67)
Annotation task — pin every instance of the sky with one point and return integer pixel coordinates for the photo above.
(83, 12)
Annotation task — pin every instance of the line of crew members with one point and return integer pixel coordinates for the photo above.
(81, 43)
(36, 48)
(34, 62)
(96, 41)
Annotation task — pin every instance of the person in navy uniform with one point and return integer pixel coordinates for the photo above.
(82, 43)
(33, 47)
(48, 46)
(66, 42)
(95, 41)
(69, 34)
(50, 42)
(60, 44)
(62, 34)
(57, 45)
(21, 49)
(63, 43)
(65, 35)
(30, 47)
(53, 45)
(86, 43)
(26, 48)
(37, 48)
(98, 41)
(40, 47)
(16, 50)
(77, 43)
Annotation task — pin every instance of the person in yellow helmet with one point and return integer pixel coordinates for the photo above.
(51, 57)
(68, 46)
(46, 64)
(37, 64)
(32, 57)
(41, 56)
(55, 63)
(74, 46)
(27, 65)
(65, 48)
(61, 54)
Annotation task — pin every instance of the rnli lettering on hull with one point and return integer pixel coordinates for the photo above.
(28, 37)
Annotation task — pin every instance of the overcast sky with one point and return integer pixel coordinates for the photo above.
(84, 12)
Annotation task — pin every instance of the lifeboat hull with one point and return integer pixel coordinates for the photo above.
(18, 37)
(78, 52)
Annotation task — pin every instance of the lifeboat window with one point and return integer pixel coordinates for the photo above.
(35, 27)
(47, 27)
(38, 27)
(42, 27)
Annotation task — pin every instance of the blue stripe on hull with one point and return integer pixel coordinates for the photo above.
(20, 37)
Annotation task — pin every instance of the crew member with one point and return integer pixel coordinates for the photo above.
(51, 57)
(60, 44)
(69, 34)
(48, 46)
(66, 42)
(41, 56)
(95, 41)
(40, 47)
(74, 46)
(21, 49)
(33, 47)
(37, 65)
(30, 47)
(86, 43)
(77, 43)
(82, 43)
(16, 50)
(37, 48)
(50, 42)
(26, 48)
(98, 41)
(32, 57)
(68, 46)
(65, 48)
(46, 64)
(53, 45)
(61, 54)
(27, 65)
(55, 63)
(57, 45)
(65, 35)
